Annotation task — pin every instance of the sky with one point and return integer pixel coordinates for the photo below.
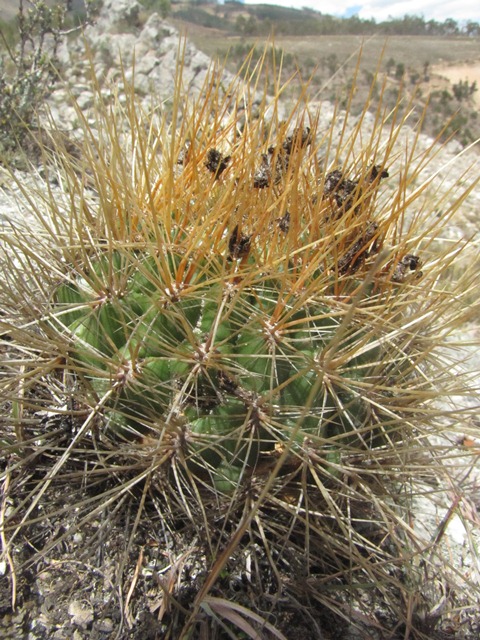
(381, 10)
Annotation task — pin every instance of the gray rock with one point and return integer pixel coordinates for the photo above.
(148, 53)
(118, 14)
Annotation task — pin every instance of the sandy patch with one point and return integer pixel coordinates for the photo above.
(457, 73)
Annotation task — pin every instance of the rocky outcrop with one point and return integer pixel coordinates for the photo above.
(121, 45)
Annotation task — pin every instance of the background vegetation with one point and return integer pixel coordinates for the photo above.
(260, 19)
(326, 49)
(320, 47)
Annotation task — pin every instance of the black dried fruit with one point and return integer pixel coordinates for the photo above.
(238, 245)
(359, 251)
(263, 174)
(376, 172)
(299, 138)
(407, 264)
(216, 162)
(284, 222)
(332, 181)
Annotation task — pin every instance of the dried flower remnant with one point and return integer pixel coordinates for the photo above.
(332, 181)
(298, 139)
(276, 163)
(340, 190)
(238, 245)
(273, 163)
(344, 192)
(216, 162)
(261, 178)
(403, 270)
(359, 251)
(377, 172)
(284, 222)
(344, 196)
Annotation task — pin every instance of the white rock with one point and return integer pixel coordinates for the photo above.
(456, 530)
(81, 613)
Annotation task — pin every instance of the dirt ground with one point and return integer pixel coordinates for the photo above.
(458, 72)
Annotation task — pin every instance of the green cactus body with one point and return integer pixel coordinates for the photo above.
(73, 300)
(263, 367)
(217, 433)
(98, 335)
(227, 358)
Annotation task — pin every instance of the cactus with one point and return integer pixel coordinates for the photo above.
(252, 316)
(254, 343)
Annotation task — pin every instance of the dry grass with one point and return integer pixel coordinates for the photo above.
(412, 51)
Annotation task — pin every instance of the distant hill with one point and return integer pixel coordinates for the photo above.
(261, 20)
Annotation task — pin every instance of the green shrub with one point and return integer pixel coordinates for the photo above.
(28, 71)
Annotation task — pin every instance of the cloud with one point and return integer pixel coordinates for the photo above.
(325, 7)
(381, 10)
(430, 9)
